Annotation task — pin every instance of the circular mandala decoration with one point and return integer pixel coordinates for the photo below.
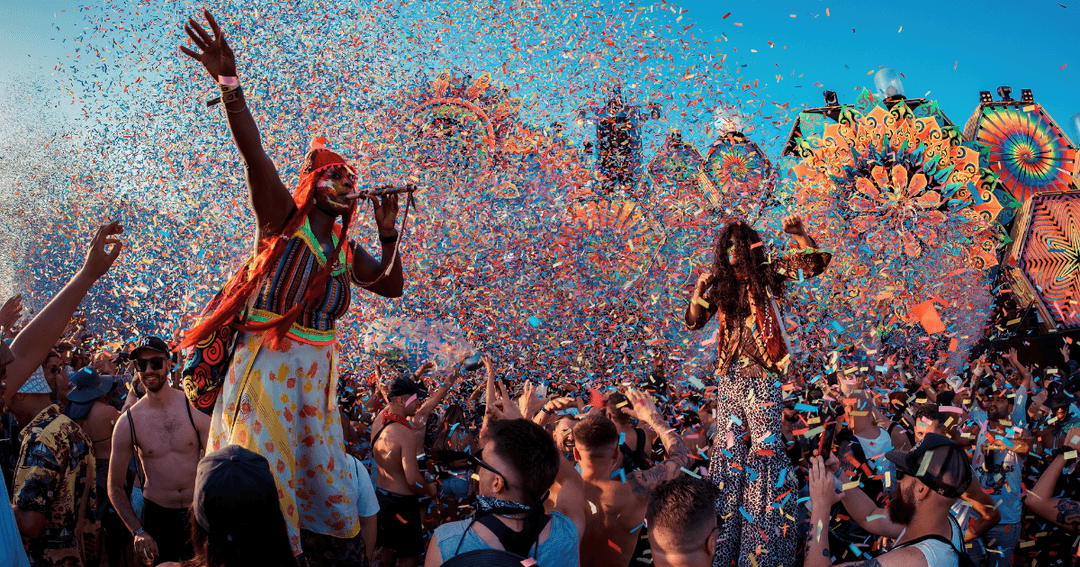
(1025, 148)
(741, 173)
(614, 239)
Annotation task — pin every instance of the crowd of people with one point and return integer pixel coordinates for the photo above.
(107, 462)
(267, 453)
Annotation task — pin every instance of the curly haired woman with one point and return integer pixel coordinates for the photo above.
(758, 488)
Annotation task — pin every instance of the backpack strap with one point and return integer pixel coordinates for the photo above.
(518, 543)
(134, 446)
(198, 438)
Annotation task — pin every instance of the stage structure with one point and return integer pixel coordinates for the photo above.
(1022, 145)
(1043, 261)
(911, 216)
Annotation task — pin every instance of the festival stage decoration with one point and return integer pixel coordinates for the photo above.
(899, 195)
(1043, 261)
(676, 174)
(743, 175)
(617, 240)
(1022, 145)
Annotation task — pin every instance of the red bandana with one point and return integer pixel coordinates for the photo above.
(390, 416)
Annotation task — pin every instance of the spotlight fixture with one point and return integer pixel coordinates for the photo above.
(1025, 95)
(830, 98)
(985, 97)
(1004, 92)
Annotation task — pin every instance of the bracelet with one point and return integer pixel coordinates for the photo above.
(138, 532)
(233, 94)
(389, 239)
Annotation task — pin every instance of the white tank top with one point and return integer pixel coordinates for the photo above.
(938, 553)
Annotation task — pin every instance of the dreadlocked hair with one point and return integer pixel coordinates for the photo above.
(247, 281)
(727, 292)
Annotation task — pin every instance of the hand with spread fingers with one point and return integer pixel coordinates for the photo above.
(215, 55)
(101, 257)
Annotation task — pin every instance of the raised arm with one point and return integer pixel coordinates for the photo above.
(643, 482)
(1065, 513)
(43, 331)
(807, 261)
(984, 506)
(367, 271)
(270, 199)
(699, 311)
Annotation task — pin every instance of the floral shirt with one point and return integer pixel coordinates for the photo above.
(55, 476)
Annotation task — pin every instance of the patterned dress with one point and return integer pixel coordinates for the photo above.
(758, 488)
(55, 476)
(280, 403)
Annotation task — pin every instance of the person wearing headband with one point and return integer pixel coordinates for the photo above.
(275, 399)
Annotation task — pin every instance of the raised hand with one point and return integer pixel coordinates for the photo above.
(216, 56)
(386, 210)
(100, 257)
(793, 224)
(11, 312)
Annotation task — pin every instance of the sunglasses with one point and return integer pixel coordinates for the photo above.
(477, 461)
(157, 363)
(54, 369)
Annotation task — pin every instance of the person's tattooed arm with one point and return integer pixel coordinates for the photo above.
(1068, 514)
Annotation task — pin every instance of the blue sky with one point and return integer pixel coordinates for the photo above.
(952, 49)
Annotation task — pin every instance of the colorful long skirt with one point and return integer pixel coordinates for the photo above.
(756, 510)
(281, 403)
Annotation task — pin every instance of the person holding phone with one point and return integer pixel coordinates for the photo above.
(275, 399)
(743, 289)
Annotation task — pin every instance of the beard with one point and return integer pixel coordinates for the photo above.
(902, 507)
(157, 384)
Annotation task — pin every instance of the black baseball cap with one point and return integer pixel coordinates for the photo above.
(402, 386)
(150, 342)
(234, 489)
(938, 462)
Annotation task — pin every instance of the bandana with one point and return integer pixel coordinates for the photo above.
(487, 505)
(390, 416)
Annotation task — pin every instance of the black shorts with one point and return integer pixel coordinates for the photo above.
(399, 523)
(171, 530)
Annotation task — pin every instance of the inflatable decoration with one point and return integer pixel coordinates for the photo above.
(1043, 263)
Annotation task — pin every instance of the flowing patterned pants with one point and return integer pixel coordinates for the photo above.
(756, 510)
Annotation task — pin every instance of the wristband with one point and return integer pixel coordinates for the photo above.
(228, 83)
(138, 532)
(389, 239)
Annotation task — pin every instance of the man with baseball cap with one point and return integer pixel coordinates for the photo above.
(167, 438)
(928, 480)
(398, 431)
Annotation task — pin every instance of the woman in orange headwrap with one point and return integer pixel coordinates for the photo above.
(277, 397)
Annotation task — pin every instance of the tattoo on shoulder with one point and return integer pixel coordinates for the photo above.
(1068, 513)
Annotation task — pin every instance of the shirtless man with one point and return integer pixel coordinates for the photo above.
(394, 443)
(170, 438)
(615, 510)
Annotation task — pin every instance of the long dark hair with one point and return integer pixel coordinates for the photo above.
(453, 414)
(265, 544)
(748, 252)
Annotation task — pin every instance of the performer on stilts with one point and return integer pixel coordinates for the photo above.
(758, 489)
(278, 398)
